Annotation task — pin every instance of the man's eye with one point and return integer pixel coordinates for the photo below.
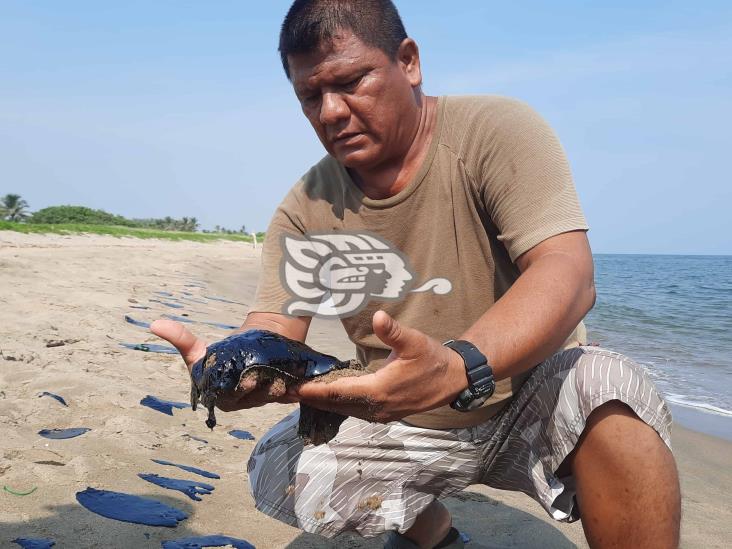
(352, 83)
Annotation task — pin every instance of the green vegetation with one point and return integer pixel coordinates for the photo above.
(13, 208)
(77, 214)
(220, 229)
(187, 224)
(76, 228)
(79, 219)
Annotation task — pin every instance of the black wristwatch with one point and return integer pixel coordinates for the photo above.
(480, 377)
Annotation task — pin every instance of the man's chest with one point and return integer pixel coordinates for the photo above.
(428, 260)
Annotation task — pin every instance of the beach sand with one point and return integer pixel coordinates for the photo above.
(77, 290)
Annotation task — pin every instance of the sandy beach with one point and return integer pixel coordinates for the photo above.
(73, 292)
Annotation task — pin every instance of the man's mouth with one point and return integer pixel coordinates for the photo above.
(345, 138)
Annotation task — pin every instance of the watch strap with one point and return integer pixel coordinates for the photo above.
(480, 376)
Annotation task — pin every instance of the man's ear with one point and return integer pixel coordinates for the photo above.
(408, 59)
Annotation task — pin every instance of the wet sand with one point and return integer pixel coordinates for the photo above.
(77, 290)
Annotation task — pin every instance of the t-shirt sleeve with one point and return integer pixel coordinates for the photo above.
(526, 183)
(271, 295)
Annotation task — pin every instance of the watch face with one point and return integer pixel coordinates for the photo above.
(467, 401)
(483, 388)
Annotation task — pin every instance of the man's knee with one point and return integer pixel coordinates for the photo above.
(626, 479)
(617, 444)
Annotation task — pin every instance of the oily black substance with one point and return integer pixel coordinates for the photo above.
(188, 468)
(129, 508)
(192, 488)
(275, 358)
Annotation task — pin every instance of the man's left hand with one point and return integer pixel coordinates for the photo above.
(421, 374)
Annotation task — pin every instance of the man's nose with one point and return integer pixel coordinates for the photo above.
(333, 108)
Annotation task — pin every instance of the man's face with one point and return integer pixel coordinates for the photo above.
(361, 103)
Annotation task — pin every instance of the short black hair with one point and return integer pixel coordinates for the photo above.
(310, 22)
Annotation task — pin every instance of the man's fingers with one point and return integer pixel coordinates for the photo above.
(189, 346)
(402, 340)
(248, 382)
(259, 395)
(332, 395)
(351, 396)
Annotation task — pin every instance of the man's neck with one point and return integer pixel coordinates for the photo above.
(390, 178)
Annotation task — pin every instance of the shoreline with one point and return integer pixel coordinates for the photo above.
(79, 288)
(702, 422)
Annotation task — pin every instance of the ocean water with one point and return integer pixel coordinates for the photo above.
(673, 314)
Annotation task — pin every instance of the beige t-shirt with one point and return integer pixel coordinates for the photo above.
(495, 182)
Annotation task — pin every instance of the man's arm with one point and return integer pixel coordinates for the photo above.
(294, 327)
(537, 314)
(551, 296)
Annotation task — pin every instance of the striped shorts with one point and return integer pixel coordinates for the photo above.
(376, 477)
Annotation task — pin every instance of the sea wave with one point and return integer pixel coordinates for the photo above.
(681, 400)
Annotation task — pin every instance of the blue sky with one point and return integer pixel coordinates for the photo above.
(148, 109)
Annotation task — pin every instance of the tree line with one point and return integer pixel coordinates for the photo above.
(14, 208)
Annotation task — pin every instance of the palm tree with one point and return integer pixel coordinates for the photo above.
(13, 207)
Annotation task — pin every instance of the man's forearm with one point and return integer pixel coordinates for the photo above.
(289, 326)
(537, 314)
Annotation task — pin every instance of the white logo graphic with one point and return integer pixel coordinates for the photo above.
(336, 275)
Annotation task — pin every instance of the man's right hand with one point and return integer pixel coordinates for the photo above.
(251, 393)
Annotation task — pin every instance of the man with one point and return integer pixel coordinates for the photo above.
(435, 219)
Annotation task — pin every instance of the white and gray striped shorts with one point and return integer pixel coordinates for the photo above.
(376, 477)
